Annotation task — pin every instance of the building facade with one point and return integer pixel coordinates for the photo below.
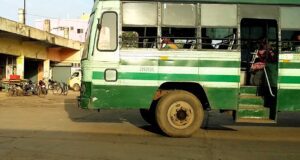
(73, 29)
(31, 53)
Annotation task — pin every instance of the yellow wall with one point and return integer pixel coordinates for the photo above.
(71, 56)
(54, 54)
(17, 47)
(10, 46)
(23, 49)
(40, 71)
(38, 50)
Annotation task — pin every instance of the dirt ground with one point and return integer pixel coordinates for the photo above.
(54, 127)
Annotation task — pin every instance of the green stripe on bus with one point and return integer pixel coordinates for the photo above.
(289, 79)
(227, 64)
(185, 63)
(138, 76)
(289, 65)
(220, 78)
(179, 77)
(98, 75)
(172, 77)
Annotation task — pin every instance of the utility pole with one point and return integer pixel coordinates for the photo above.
(24, 16)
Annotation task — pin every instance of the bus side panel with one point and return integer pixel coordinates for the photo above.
(122, 96)
(220, 78)
(289, 100)
(222, 98)
(135, 86)
(289, 83)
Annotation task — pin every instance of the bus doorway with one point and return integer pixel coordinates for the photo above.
(259, 70)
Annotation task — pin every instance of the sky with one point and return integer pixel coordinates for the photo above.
(41, 9)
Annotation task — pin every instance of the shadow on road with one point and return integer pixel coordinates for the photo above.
(213, 119)
(218, 120)
(131, 116)
(111, 116)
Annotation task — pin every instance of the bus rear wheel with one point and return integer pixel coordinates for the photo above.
(179, 114)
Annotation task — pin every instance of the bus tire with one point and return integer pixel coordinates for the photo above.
(179, 114)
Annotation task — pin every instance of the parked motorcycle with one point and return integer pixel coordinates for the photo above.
(42, 89)
(15, 90)
(29, 88)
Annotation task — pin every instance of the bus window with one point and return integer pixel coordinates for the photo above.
(214, 15)
(107, 40)
(290, 40)
(87, 38)
(139, 13)
(183, 38)
(75, 74)
(218, 38)
(177, 14)
(139, 37)
(290, 32)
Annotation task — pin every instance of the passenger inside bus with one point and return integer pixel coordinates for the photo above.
(219, 38)
(139, 37)
(182, 38)
(262, 56)
(296, 44)
(168, 43)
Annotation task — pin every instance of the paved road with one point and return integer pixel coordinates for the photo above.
(54, 128)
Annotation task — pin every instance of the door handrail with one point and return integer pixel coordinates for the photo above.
(269, 85)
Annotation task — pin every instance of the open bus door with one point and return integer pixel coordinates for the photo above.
(258, 91)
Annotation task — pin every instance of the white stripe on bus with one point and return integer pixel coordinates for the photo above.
(289, 72)
(153, 83)
(289, 86)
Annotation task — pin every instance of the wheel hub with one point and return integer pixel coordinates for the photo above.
(180, 115)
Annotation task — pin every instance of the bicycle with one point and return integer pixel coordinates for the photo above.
(60, 88)
(51, 84)
(57, 88)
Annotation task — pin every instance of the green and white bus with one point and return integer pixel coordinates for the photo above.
(126, 65)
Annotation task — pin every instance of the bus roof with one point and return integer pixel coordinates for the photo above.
(281, 2)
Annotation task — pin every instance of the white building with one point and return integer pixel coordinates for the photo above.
(74, 29)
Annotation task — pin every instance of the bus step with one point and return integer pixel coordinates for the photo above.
(255, 120)
(250, 99)
(248, 90)
(253, 112)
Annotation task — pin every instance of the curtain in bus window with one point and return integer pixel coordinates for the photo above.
(179, 15)
(140, 14)
(290, 17)
(219, 15)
